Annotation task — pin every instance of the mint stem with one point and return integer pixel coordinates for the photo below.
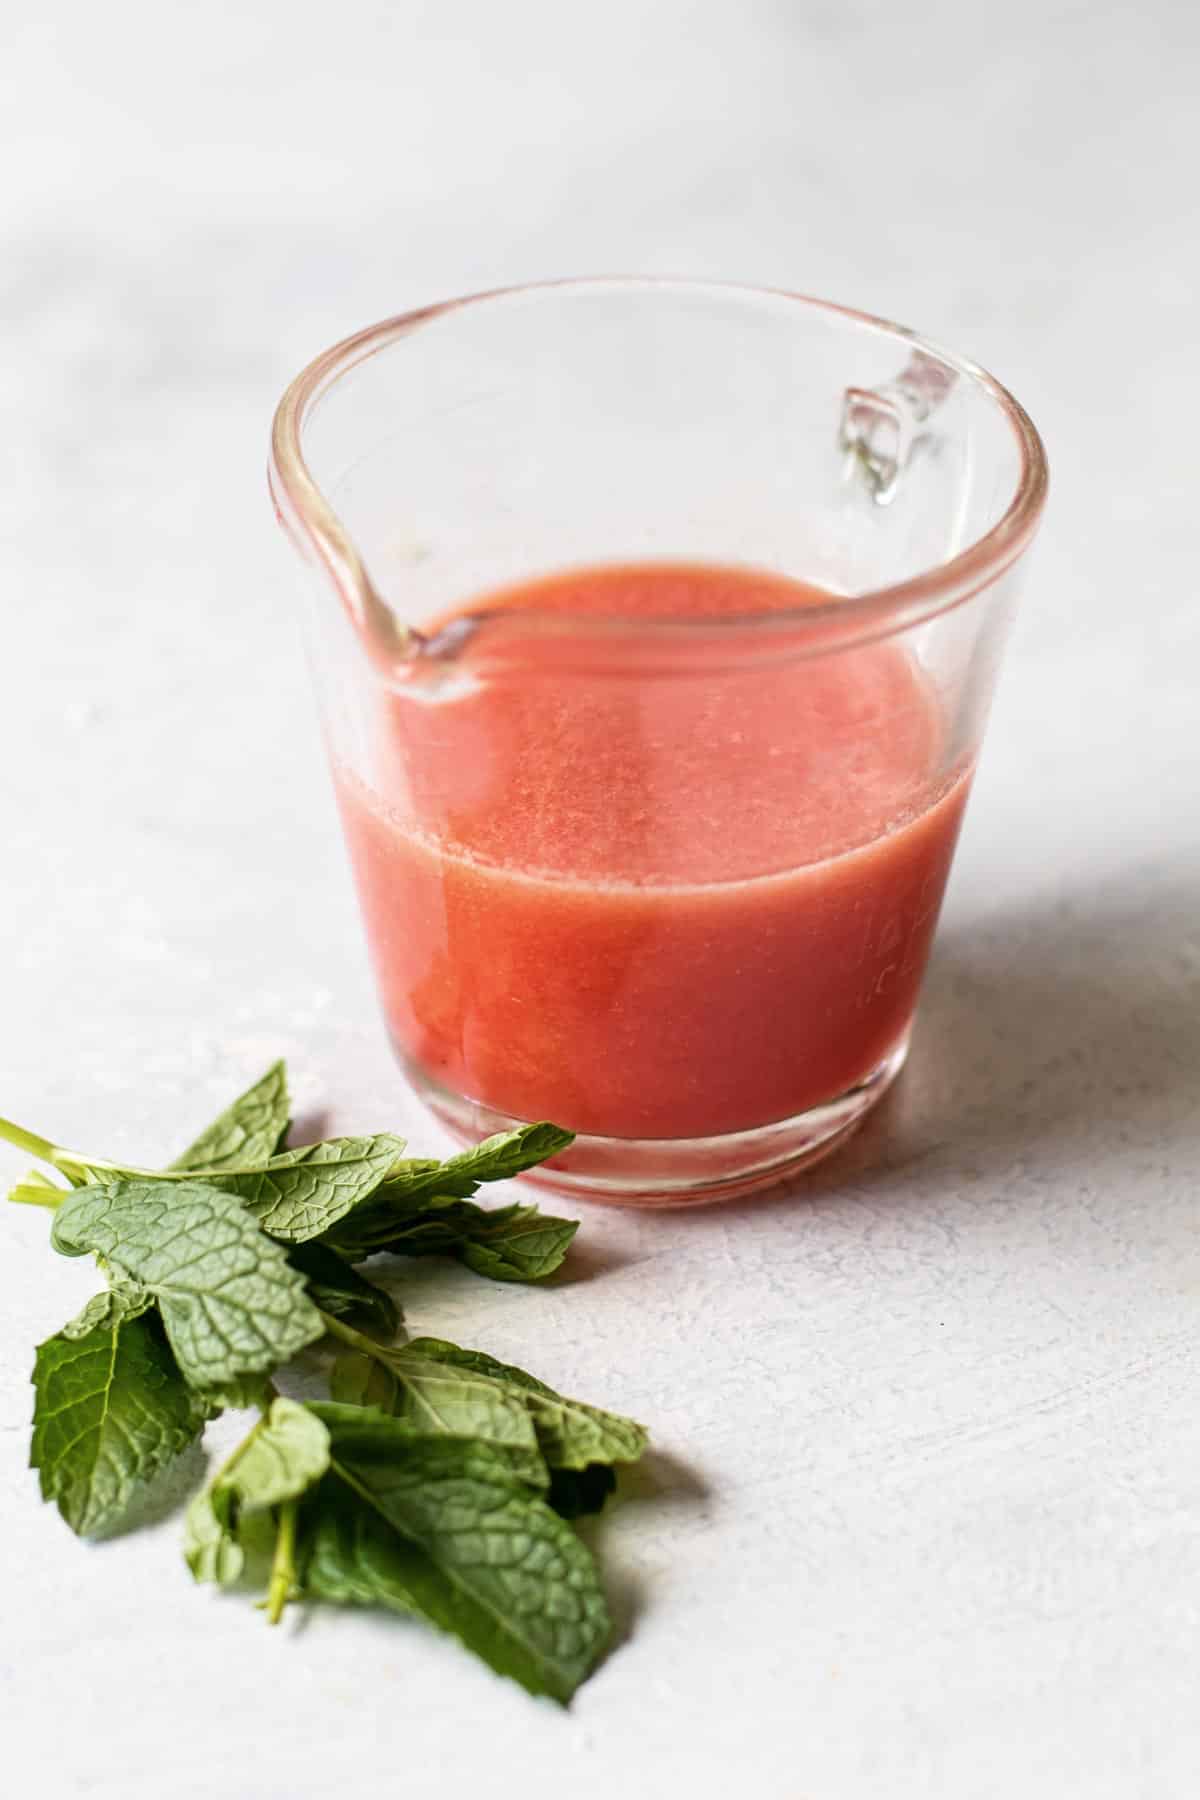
(30, 1193)
(283, 1565)
(27, 1140)
(357, 1340)
(66, 1160)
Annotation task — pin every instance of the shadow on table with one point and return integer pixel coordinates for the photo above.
(658, 1481)
(1037, 1029)
(309, 1126)
(1065, 1015)
(165, 1496)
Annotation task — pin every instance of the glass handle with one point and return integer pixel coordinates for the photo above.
(880, 426)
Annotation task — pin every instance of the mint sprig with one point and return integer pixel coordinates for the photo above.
(357, 1195)
(438, 1482)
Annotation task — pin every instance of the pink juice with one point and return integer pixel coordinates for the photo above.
(660, 904)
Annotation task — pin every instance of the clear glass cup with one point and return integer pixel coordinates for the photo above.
(655, 637)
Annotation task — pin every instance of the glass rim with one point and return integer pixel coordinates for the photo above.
(309, 518)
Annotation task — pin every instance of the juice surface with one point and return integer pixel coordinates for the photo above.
(655, 901)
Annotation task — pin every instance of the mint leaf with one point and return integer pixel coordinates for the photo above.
(497, 1158)
(210, 1546)
(429, 1225)
(509, 1243)
(351, 1557)
(357, 1379)
(506, 1154)
(469, 1548)
(229, 1300)
(418, 1176)
(434, 1396)
(110, 1410)
(107, 1310)
(297, 1195)
(283, 1455)
(418, 1181)
(423, 1209)
(302, 1193)
(570, 1434)
(246, 1133)
(527, 1247)
(338, 1288)
(241, 1393)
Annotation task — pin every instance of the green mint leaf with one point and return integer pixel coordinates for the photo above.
(352, 1557)
(470, 1549)
(303, 1193)
(110, 1410)
(423, 1209)
(339, 1289)
(241, 1393)
(570, 1434)
(421, 1186)
(509, 1243)
(297, 1195)
(506, 1154)
(497, 1158)
(357, 1379)
(527, 1247)
(248, 1132)
(107, 1310)
(285, 1453)
(438, 1396)
(574, 1492)
(435, 1396)
(210, 1546)
(229, 1300)
(414, 1178)
(431, 1225)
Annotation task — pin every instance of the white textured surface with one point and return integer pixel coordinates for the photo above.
(941, 1535)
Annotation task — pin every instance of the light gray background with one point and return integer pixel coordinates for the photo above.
(941, 1406)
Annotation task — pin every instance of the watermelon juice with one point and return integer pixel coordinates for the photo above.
(669, 903)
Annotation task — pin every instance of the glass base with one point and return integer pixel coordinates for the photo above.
(676, 1171)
